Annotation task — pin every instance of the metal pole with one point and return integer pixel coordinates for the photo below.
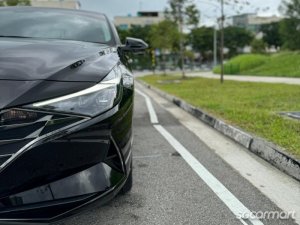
(222, 41)
(181, 40)
(215, 46)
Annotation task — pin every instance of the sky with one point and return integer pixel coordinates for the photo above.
(209, 12)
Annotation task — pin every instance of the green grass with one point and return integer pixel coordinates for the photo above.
(252, 106)
(285, 64)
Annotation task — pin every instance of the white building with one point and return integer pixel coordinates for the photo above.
(251, 21)
(143, 18)
(68, 4)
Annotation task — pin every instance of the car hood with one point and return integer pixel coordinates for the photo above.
(34, 70)
(56, 60)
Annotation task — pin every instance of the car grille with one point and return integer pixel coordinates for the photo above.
(19, 127)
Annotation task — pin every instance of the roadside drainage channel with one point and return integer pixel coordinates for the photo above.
(270, 152)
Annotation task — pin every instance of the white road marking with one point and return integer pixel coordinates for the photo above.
(236, 207)
(152, 113)
(243, 222)
(215, 185)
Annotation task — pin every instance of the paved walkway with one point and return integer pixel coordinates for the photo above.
(283, 80)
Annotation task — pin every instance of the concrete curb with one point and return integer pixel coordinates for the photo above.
(270, 152)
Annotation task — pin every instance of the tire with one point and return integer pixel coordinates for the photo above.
(128, 184)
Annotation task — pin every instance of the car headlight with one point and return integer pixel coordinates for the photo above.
(89, 102)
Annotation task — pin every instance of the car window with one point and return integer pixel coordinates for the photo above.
(54, 25)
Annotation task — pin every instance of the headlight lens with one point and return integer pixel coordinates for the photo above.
(89, 102)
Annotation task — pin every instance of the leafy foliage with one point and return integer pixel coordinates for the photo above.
(142, 61)
(201, 39)
(290, 33)
(183, 11)
(123, 34)
(291, 8)
(258, 46)
(15, 2)
(235, 38)
(242, 63)
(290, 27)
(271, 34)
(165, 36)
(193, 15)
(141, 32)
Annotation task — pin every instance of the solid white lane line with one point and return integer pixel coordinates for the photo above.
(215, 185)
(243, 222)
(236, 207)
(152, 113)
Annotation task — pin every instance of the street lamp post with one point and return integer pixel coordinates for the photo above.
(215, 46)
(180, 16)
(222, 42)
(215, 36)
(221, 39)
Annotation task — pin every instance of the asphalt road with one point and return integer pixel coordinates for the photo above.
(197, 186)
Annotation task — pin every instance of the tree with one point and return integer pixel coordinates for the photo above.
(233, 4)
(193, 15)
(258, 46)
(271, 34)
(201, 39)
(165, 36)
(123, 34)
(235, 38)
(291, 8)
(290, 33)
(290, 27)
(142, 32)
(183, 13)
(15, 2)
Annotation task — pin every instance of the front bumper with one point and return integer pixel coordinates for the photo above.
(56, 175)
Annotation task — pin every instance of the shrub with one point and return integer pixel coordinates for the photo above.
(258, 46)
(241, 63)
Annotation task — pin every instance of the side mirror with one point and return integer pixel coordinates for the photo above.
(134, 45)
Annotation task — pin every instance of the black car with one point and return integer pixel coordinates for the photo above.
(66, 104)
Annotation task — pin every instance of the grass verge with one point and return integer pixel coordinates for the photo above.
(285, 64)
(252, 106)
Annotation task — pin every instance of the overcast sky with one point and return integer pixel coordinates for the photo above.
(208, 11)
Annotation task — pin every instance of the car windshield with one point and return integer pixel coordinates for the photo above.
(54, 24)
